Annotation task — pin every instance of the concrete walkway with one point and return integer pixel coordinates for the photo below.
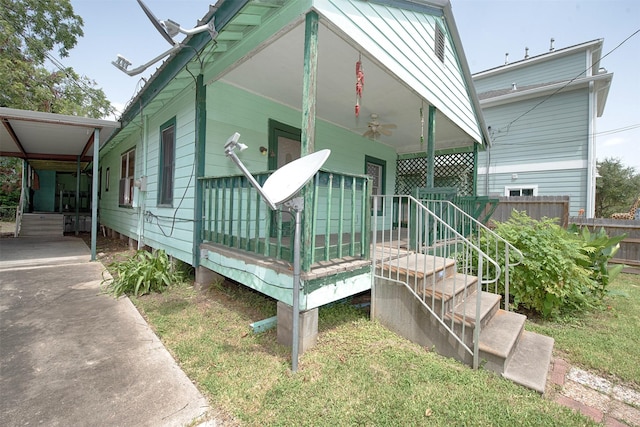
(596, 397)
(72, 356)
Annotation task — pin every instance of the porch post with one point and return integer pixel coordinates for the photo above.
(94, 192)
(308, 128)
(200, 152)
(431, 146)
(309, 84)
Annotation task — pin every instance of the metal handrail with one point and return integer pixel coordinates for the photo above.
(405, 251)
(476, 231)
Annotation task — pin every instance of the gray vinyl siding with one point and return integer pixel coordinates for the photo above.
(555, 130)
(553, 135)
(562, 69)
(570, 182)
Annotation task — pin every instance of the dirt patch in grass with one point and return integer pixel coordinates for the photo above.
(108, 249)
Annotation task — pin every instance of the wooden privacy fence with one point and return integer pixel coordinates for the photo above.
(535, 206)
(629, 252)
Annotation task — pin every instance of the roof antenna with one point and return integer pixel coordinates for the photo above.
(551, 48)
(526, 53)
(506, 58)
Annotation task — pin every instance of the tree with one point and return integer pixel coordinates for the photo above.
(29, 30)
(617, 187)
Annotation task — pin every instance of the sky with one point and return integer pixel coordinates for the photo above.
(488, 30)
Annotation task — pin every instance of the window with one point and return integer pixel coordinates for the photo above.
(521, 191)
(167, 162)
(439, 43)
(375, 168)
(127, 170)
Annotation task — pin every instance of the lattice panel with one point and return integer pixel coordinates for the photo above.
(451, 170)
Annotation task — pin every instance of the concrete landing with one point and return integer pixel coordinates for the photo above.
(530, 361)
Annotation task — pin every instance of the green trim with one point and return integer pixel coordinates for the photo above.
(431, 146)
(383, 184)
(278, 129)
(410, 5)
(330, 280)
(475, 169)
(308, 126)
(159, 81)
(441, 152)
(171, 123)
(199, 160)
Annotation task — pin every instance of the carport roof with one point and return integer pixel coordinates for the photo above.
(50, 141)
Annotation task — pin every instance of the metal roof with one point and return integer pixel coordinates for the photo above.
(50, 141)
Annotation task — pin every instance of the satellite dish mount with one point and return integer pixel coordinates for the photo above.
(167, 29)
(282, 188)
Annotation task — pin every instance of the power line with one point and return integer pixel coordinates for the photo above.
(506, 128)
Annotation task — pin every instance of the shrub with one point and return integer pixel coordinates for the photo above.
(141, 274)
(553, 278)
(599, 248)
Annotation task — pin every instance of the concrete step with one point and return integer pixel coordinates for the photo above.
(499, 338)
(442, 295)
(42, 225)
(416, 267)
(464, 314)
(529, 364)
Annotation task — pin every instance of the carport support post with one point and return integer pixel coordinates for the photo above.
(94, 192)
(78, 194)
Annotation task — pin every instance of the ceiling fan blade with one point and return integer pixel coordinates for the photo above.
(368, 133)
(389, 126)
(384, 131)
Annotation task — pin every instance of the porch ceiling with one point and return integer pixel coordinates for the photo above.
(50, 141)
(281, 79)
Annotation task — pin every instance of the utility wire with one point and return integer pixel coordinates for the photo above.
(506, 128)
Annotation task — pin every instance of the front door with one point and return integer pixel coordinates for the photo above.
(284, 147)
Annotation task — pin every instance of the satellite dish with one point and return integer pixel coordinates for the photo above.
(287, 181)
(156, 23)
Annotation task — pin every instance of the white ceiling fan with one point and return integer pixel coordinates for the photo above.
(376, 128)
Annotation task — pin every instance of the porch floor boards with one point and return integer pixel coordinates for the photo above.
(318, 269)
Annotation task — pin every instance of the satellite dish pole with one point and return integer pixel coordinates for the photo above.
(280, 189)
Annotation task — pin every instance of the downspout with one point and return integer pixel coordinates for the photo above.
(200, 155)
(591, 152)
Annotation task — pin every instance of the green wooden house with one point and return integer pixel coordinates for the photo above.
(383, 84)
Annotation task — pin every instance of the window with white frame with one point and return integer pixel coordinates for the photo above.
(521, 191)
(127, 170)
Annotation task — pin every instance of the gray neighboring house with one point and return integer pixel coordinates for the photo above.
(541, 114)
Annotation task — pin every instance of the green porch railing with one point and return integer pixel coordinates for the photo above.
(235, 216)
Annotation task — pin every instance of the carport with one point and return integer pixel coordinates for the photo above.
(58, 142)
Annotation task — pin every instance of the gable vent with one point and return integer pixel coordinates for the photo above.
(439, 43)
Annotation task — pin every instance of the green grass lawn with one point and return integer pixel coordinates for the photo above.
(606, 340)
(359, 373)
